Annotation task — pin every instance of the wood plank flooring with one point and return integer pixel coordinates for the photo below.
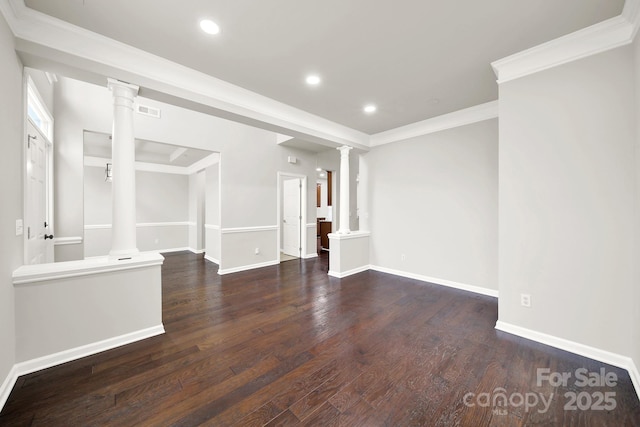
(288, 345)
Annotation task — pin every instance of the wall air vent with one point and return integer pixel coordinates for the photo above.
(145, 110)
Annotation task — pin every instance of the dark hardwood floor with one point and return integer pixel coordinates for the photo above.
(288, 345)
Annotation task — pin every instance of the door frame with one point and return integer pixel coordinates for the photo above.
(283, 176)
(28, 83)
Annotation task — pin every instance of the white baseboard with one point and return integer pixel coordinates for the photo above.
(44, 362)
(635, 377)
(169, 250)
(247, 267)
(212, 259)
(594, 353)
(348, 272)
(196, 251)
(7, 386)
(48, 361)
(310, 256)
(434, 280)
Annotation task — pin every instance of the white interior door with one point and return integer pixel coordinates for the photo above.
(39, 243)
(291, 216)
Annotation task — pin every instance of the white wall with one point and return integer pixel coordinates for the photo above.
(11, 246)
(66, 314)
(196, 205)
(212, 213)
(162, 199)
(70, 107)
(567, 209)
(248, 169)
(635, 296)
(434, 199)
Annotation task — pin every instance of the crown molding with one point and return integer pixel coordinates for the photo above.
(458, 118)
(58, 41)
(606, 35)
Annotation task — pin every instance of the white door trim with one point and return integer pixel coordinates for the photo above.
(282, 176)
(27, 82)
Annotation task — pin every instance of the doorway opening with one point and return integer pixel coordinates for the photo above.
(325, 187)
(292, 216)
(38, 183)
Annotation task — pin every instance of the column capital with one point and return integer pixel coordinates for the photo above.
(344, 150)
(122, 89)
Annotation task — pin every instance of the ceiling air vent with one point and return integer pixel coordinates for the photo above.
(145, 110)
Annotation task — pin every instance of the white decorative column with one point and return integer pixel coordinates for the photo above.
(123, 190)
(344, 189)
(363, 193)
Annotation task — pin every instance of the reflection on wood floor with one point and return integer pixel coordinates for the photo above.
(289, 345)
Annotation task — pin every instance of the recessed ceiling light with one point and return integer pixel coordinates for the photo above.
(209, 27)
(322, 175)
(319, 169)
(370, 108)
(313, 79)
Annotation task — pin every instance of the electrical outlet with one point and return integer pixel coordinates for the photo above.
(19, 227)
(257, 251)
(525, 300)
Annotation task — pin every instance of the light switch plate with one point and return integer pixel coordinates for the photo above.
(19, 227)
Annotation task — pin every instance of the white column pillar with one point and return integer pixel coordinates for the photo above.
(344, 190)
(123, 190)
(363, 192)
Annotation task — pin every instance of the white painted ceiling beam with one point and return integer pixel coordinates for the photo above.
(176, 153)
(54, 45)
(58, 41)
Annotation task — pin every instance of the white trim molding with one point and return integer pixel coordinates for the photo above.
(467, 116)
(310, 256)
(212, 259)
(72, 240)
(348, 236)
(247, 267)
(87, 350)
(60, 270)
(606, 35)
(7, 385)
(210, 160)
(170, 250)
(44, 362)
(634, 373)
(68, 45)
(344, 274)
(234, 230)
(212, 227)
(140, 166)
(594, 353)
(443, 282)
(142, 225)
(201, 164)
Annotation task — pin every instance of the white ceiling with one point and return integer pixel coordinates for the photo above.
(415, 59)
(98, 144)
